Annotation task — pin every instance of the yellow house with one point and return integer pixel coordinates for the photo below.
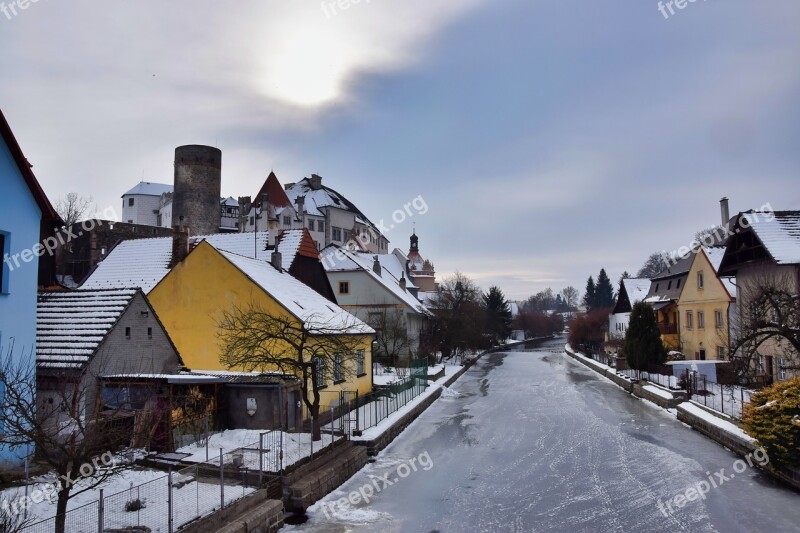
(704, 308)
(191, 299)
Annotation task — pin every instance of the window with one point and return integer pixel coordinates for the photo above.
(344, 287)
(287, 221)
(252, 220)
(336, 233)
(689, 320)
(346, 234)
(130, 202)
(701, 319)
(127, 333)
(320, 364)
(149, 333)
(656, 287)
(721, 353)
(669, 285)
(310, 225)
(700, 280)
(781, 369)
(338, 370)
(321, 226)
(718, 319)
(678, 286)
(360, 369)
(5, 266)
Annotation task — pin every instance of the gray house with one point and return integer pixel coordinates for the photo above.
(87, 334)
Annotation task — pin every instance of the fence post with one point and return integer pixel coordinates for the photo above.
(100, 527)
(260, 459)
(221, 481)
(207, 439)
(332, 427)
(358, 411)
(169, 501)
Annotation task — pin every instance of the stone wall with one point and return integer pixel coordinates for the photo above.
(255, 513)
(315, 480)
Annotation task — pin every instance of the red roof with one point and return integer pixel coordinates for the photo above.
(277, 196)
(48, 212)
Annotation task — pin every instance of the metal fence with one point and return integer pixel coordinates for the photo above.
(376, 406)
(665, 380)
(179, 497)
(727, 399)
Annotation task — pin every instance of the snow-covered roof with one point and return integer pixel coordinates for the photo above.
(730, 285)
(323, 197)
(144, 262)
(147, 188)
(289, 245)
(230, 201)
(715, 256)
(779, 232)
(337, 259)
(637, 289)
(70, 325)
(298, 298)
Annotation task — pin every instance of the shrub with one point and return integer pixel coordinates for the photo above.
(588, 332)
(132, 506)
(773, 418)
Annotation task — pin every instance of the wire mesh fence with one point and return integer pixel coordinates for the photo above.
(376, 406)
(174, 499)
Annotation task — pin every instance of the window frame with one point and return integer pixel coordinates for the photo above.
(361, 363)
(719, 321)
(346, 285)
(338, 369)
(701, 320)
(321, 377)
(700, 280)
(689, 319)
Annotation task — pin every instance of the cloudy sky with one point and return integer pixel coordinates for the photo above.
(547, 138)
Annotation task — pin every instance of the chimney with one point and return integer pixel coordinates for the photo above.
(301, 205)
(180, 244)
(315, 182)
(723, 206)
(403, 282)
(376, 265)
(244, 212)
(277, 260)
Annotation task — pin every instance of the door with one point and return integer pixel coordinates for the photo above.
(768, 369)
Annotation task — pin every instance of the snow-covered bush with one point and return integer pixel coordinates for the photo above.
(773, 418)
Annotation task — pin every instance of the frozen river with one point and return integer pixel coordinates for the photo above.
(532, 441)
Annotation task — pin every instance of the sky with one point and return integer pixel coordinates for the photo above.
(548, 139)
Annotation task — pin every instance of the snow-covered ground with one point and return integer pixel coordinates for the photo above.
(192, 498)
(296, 446)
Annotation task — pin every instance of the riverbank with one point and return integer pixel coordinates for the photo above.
(714, 425)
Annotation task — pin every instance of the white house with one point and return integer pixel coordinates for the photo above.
(374, 288)
(631, 291)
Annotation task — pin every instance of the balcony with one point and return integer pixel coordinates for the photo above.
(667, 329)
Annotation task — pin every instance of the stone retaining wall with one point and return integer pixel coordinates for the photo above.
(255, 513)
(317, 479)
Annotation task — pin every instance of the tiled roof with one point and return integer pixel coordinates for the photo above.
(70, 325)
(144, 262)
(779, 232)
(298, 298)
(295, 242)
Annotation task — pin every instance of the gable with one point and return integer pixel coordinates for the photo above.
(713, 288)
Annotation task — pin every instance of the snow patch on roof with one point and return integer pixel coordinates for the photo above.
(779, 231)
(147, 188)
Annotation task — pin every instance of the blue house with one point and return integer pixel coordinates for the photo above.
(26, 219)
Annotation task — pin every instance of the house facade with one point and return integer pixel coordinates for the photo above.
(86, 335)
(631, 291)
(764, 252)
(192, 298)
(374, 288)
(705, 305)
(26, 219)
(665, 290)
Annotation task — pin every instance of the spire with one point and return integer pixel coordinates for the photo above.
(414, 242)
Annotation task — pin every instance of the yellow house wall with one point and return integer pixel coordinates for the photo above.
(712, 297)
(190, 302)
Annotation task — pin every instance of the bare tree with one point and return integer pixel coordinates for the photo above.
(392, 340)
(72, 208)
(74, 445)
(255, 339)
(655, 264)
(570, 295)
(459, 320)
(769, 314)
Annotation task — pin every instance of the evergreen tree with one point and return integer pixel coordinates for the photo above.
(560, 306)
(643, 346)
(604, 291)
(589, 299)
(498, 314)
